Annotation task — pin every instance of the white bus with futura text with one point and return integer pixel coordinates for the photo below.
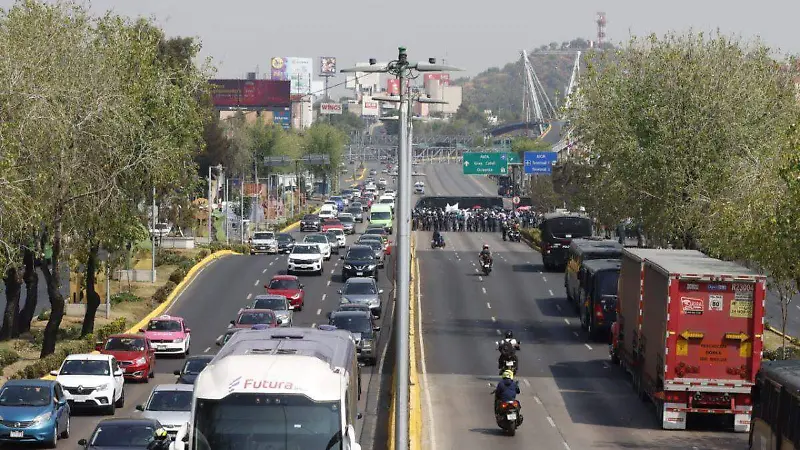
(295, 388)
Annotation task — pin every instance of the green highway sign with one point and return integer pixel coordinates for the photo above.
(513, 158)
(483, 163)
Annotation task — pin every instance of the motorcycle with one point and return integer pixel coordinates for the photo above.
(437, 243)
(508, 418)
(514, 236)
(486, 265)
(509, 364)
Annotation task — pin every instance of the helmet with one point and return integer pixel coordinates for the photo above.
(508, 374)
(486, 246)
(509, 334)
(161, 434)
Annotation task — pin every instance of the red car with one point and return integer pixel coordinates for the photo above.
(290, 287)
(251, 317)
(330, 224)
(135, 355)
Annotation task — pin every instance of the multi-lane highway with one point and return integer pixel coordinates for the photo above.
(214, 298)
(572, 397)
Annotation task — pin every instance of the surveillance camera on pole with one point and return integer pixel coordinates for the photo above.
(403, 69)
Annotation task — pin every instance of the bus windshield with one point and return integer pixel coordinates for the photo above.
(380, 215)
(257, 421)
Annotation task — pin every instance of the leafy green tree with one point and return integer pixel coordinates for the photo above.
(324, 139)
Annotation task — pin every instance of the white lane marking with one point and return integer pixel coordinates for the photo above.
(536, 398)
(558, 307)
(575, 333)
(329, 282)
(494, 319)
(319, 311)
(331, 271)
(551, 292)
(249, 296)
(483, 289)
(313, 325)
(605, 365)
(256, 283)
(207, 350)
(588, 346)
(498, 331)
(265, 270)
(567, 321)
(550, 420)
(544, 278)
(336, 264)
(480, 278)
(798, 306)
(488, 305)
(527, 383)
(566, 446)
(323, 297)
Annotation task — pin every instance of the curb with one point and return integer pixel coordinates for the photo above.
(187, 280)
(791, 339)
(415, 406)
(530, 243)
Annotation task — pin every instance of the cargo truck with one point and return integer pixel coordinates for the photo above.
(689, 331)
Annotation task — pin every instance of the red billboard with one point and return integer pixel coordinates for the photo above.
(250, 93)
(443, 78)
(393, 86)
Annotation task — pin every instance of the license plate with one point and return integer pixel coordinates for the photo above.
(17, 434)
(360, 273)
(511, 416)
(79, 398)
(510, 363)
(161, 347)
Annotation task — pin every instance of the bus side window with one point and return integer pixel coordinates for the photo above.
(773, 405)
(784, 411)
(794, 421)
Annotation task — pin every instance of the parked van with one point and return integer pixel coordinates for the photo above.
(597, 295)
(381, 214)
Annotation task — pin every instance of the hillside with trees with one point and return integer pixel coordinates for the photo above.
(500, 89)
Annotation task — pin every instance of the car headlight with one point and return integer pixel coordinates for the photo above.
(295, 296)
(41, 418)
(348, 266)
(141, 360)
(366, 344)
(178, 341)
(102, 387)
(374, 302)
(371, 267)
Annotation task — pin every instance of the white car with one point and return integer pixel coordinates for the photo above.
(328, 211)
(382, 183)
(387, 200)
(323, 242)
(92, 380)
(390, 193)
(161, 230)
(305, 258)
(419, 187)
(341, 238)
(263, 242)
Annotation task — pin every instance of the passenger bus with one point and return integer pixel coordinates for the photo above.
(281, 388)
(776, 407)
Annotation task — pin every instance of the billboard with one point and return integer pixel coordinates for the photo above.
(327, 66)
(297, 70)
(249, 93)
(282, 117)
(442, 78)
(330, 108)
(393, 86)
(369, 107)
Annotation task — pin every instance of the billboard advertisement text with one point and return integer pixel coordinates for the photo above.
(369, 107)
(393, 86)
(442, 78)
(249, 93)
(297, 70)
(327, 66)
(330, 108)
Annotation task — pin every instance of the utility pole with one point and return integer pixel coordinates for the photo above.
(403, 70)
(227, 212)
(241, 210)
(153, 239)
(210, 208)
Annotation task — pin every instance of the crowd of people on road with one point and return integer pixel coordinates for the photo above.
(474, 220)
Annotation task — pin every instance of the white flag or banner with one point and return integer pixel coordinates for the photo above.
(449, 208)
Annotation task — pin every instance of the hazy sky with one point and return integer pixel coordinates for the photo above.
(242, 34)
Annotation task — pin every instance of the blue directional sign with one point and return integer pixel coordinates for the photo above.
(539, 162)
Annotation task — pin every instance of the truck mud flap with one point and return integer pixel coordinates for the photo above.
(672, 418)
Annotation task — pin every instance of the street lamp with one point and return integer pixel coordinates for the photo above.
(403, 69)
(210, 206)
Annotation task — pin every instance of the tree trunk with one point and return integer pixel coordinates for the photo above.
(52, 277)
(31, 293)
(13, 281)
(92, 297)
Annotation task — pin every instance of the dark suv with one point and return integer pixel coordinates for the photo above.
(311, 222)
(557, 232)
(598, 295)
(359, 262)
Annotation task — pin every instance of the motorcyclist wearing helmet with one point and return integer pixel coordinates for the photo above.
(161, 440)
(485, 254)
(506, 391)
(507, 347)
(437, 237)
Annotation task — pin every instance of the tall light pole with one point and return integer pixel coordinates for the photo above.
(403, 69)
(210, 206)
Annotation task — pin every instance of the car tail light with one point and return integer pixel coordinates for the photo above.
(598, 310)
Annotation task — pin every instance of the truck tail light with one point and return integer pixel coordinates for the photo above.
(682, 369)
(598, 310)
(741, 371)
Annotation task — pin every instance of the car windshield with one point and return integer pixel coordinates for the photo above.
(284, 284)
(354, 323)
(124, 344)
(309, 217)
(380, 215)
(164, 325)
(166, 400)
(359, 289)
(387, 200)
(278, 303)
(573, 226)
(376, 245)
(346, 219)
(337, 232)
(25, 396)
(263, 236)
(195, 366)
(360, 254)
(606, 282)
(283, 238)
(124, 434)
(254, 318)
(317, 238)
(305, 249)
(375, 231)
(332, 223)
(251, 421)
(331, 236)
(85, 367)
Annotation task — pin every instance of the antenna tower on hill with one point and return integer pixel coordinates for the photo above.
(601, 28)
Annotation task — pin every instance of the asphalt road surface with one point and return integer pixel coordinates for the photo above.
(572, 397)
(214, 298)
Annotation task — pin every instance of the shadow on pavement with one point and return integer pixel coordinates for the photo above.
(548, 308)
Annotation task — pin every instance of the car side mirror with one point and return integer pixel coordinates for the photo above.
(185, 438)
(376, 329)
(141, 330)
(266, 286)
(359, 416)
(177, 373)
(279, 321)
(328, 314)
(291, 307)
(82, 442)
(380, 291)
(302, 286)
(233, 322)
(53, 373)
(339, 291)
(188, 330)
(140, 407)
(218, 342)
(118, 373)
